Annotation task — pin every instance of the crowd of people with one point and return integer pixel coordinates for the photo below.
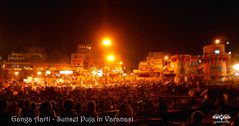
(142, 103)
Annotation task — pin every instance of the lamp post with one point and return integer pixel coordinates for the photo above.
(217, 41)
(16, 73)
(165, 57)
(236, 67)
(110, 58)
(106, 42)
(39, 73)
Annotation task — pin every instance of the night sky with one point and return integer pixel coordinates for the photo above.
(136, 27)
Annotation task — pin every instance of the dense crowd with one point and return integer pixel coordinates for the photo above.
(144, 103)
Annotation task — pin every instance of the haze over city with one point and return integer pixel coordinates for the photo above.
(136, 27)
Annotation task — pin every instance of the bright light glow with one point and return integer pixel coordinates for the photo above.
(38, 80)
(228, 43)
(48, 72)
(230, 52)
(217, 51)
(199, 61)
(110, 58)
(166, 58)
(100, 73)
(121, 62)
(29, 80)
(236, 74)
(39, 73)
(164, 67)
(94, 72)
(66, 72)
(217, 41)
(106, 42)
(236, 67)
(124, 74)
(16, 73)
(59, 80)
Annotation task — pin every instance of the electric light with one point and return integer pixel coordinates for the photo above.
(94, 72)
(236, 67)
(16, 73)
(39, 73)
(166, 58)
(100, 73)
(236, 74)
(110, 58)
(48, 72)
(217, 51)
(106, 42)
(217, 41)
(66, 72)
(121, 62)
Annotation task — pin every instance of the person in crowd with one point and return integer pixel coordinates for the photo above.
(33, 112)
(4, 116)
(45, 110)
(206, 105)
(54, 106)
(196, 119)
(78, 108)
(148, 107)
(68, 107)
(162, 108)
(235, 120)
(125, 111)
(15, 109)
(91, 110)
(219, 105)
(25, 108)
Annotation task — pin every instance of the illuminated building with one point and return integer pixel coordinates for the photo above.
(181, 67)
(216, 62)
(77, 59)
(33, 55)
(23, 62)
(153, 65)
(17, 58)
(213, 65)
(87, 56)
(36, 55)
(83, 57)
(85, 48)
(196, 68)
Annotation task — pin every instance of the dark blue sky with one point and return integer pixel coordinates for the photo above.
(137, 27)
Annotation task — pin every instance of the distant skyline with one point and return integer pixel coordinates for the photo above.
(136, 27)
